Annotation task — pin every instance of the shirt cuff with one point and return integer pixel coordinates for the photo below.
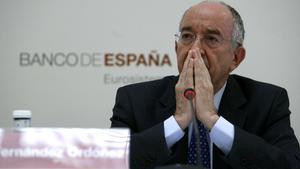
(222, 135)
(173, 132)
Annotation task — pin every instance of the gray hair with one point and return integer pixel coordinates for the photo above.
(238, 30)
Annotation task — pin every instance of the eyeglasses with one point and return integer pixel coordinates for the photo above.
(211, 40)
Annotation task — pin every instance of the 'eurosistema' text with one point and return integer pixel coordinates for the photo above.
(126, 79)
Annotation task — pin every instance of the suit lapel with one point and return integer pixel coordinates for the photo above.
(231, 109)
(231, 103)
(165, 105)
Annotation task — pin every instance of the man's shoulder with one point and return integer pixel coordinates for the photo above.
(249, 85)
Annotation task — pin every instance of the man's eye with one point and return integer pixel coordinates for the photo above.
(187, 36)
(212, 39)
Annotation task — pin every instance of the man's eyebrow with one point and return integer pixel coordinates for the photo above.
(187, 28)
(212, 31)
(206, 31)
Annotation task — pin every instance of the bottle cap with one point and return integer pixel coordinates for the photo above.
(22, 114)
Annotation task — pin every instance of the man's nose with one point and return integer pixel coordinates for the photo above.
(197, 43)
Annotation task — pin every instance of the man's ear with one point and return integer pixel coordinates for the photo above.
(238, 57)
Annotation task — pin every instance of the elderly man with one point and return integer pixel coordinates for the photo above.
(243, 123)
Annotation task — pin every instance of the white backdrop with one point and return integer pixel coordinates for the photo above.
(83, 39)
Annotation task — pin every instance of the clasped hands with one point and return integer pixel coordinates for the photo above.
(195, 75)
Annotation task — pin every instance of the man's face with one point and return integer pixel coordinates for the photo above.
(208, 21)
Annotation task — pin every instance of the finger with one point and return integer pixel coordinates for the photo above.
(201, 71)
(183, 72)
(199, 56)
(189, 82)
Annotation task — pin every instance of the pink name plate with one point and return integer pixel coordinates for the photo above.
(64, 148)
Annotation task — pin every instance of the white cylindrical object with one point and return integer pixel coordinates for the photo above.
(22, 118)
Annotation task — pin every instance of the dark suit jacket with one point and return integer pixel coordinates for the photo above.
(259, 112)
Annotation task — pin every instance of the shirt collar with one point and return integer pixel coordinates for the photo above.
(218, 96)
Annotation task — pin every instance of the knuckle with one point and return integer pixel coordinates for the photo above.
(178, 87)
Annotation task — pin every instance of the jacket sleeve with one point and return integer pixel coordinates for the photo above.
(148, 147)
(276, 147)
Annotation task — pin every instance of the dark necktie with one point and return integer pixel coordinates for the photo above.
(204, 146)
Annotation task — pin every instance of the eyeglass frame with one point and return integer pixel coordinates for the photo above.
(210, 44)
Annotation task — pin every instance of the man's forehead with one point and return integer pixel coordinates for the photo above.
(207, 30)
(207, 16)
